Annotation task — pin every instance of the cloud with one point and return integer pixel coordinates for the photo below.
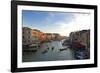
(80, 22)
(68, 22)
(54, 17)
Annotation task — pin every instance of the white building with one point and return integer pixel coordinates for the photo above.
(27, 36)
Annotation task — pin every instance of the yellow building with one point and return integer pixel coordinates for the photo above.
(40, 35)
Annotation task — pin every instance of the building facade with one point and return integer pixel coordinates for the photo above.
(56, 36)
(39, 35)
(26, 36)
(81, 36)
(48, 36)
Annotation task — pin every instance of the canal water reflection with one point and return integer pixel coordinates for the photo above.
(50, 51)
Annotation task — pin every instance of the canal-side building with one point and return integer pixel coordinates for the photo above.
(39, 35)
(52, 36)
(80, 42)
(35, 33)
(56, 36)
(43, 37)
(26, 36)
(83, 36)
(48, 36)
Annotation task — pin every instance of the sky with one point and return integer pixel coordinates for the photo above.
(56, 22)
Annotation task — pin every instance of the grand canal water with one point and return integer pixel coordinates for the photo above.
(46, 53)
